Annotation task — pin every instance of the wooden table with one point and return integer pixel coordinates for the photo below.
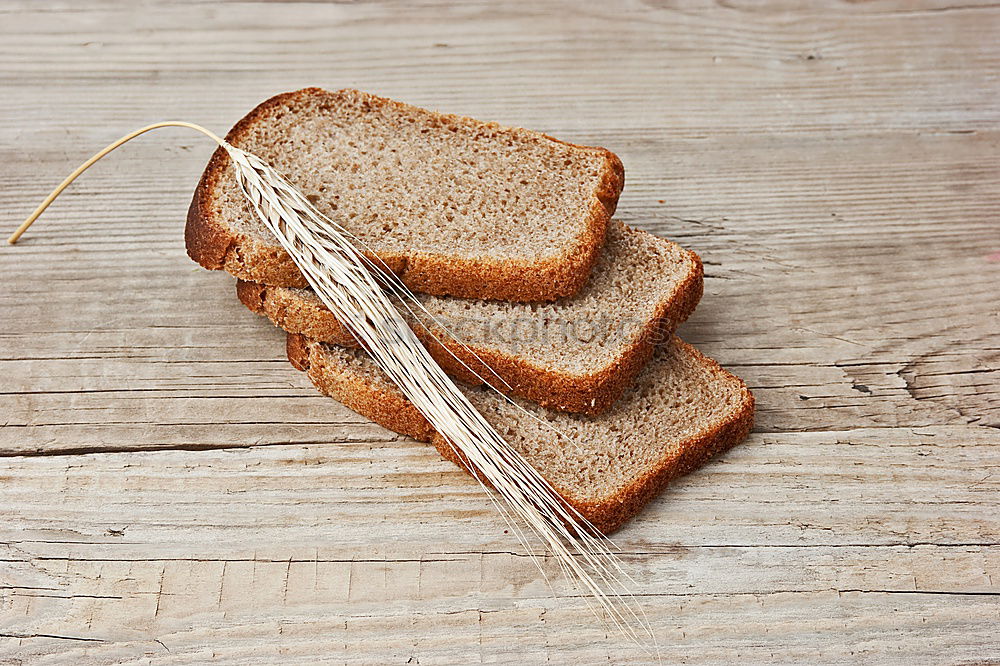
(171, 489)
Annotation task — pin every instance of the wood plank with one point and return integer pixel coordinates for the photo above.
(387, 540)
(886, 487)
(724, 71)
(828, 334)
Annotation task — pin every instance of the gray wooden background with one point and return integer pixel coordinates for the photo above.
(172, 490)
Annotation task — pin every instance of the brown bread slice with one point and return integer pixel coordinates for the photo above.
(453, 205)
(578, 354)
(684, 409)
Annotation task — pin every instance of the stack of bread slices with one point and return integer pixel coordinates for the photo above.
(507, 237)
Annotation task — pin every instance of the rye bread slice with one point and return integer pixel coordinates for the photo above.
(684, 409)
(453, 205)
(578, 354)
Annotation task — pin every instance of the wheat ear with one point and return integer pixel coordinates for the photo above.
(354, 288)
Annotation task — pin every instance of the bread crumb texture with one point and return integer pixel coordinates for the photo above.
(683, 409)
(453, 204)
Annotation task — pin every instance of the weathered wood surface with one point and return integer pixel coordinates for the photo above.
(171, 489)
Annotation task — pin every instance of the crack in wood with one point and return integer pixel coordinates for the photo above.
(55, 636)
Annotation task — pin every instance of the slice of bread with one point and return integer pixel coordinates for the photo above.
(683, 409)
(578, 354)
(452, 205)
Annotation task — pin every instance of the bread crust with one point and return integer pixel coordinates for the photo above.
(215, 246)
(590, 393)
(382, 407)
(390, 410)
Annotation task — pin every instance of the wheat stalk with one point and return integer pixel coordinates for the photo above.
(357, 291)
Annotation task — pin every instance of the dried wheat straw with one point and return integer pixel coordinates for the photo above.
(359, 293)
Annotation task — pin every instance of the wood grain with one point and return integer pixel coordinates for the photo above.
(171, 489)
